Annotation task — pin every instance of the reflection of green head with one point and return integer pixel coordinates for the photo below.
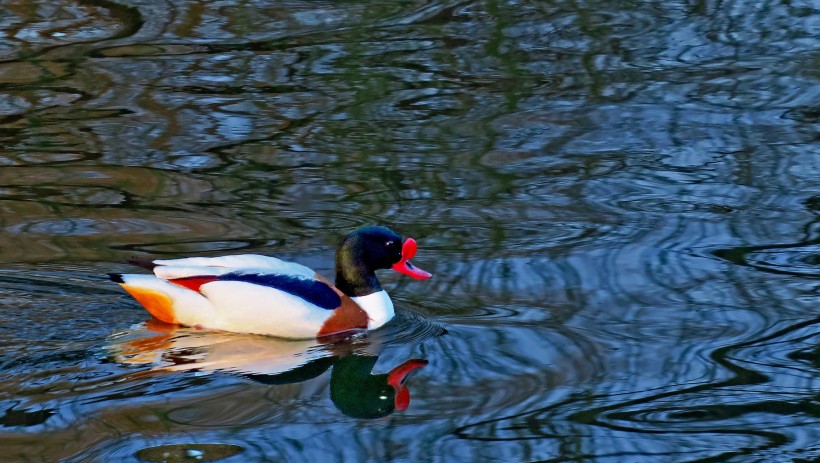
(359, 394)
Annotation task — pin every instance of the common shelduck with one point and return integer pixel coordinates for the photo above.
(265, 295)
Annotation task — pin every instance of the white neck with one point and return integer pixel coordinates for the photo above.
(378, 306)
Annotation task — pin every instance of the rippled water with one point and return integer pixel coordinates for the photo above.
(620, 202)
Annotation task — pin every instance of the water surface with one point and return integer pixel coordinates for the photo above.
(620, 203)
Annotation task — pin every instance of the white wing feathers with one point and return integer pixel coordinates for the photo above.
(246, 263)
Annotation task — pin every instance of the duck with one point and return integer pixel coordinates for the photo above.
(257, 294)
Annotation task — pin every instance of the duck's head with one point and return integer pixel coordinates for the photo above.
(359, 394)
(368, 249)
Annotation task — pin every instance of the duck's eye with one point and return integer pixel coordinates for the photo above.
(390, 243)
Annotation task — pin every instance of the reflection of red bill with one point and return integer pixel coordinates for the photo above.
(398, 376)
(408, 250)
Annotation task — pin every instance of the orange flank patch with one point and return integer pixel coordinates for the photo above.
(155, 302)
(349, 316)
(193, 283)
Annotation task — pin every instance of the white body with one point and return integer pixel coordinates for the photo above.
(244, 307)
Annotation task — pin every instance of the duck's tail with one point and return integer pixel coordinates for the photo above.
(166, 301)
(143, 262)
(157, 296)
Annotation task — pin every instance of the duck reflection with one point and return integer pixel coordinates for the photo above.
(354, 389)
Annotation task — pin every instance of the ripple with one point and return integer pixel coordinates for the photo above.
(810, 356)
(706, 417)
(407, 328)
(194, 452)
(12, 104)
(88, 227)
(625, 23)
(420, 104)
(219, 412)
(745, 92)
(183, 247)
(49, 158)
(45, 27)
(808, 114)
(813, 203)
(678, 191)
(22, 417)
(485, 235)
(76, 196)
(508, 314)
(21, 73)
(798, 259)
(137, 50)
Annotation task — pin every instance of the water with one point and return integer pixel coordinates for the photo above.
(619, 202)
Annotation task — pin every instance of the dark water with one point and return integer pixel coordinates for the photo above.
(620, 202)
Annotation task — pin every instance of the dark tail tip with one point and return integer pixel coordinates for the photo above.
(116, 277)
(145, 262)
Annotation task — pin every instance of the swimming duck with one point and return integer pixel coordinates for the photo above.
(264, 295)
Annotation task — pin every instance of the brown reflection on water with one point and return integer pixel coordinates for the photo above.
(80, 212)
